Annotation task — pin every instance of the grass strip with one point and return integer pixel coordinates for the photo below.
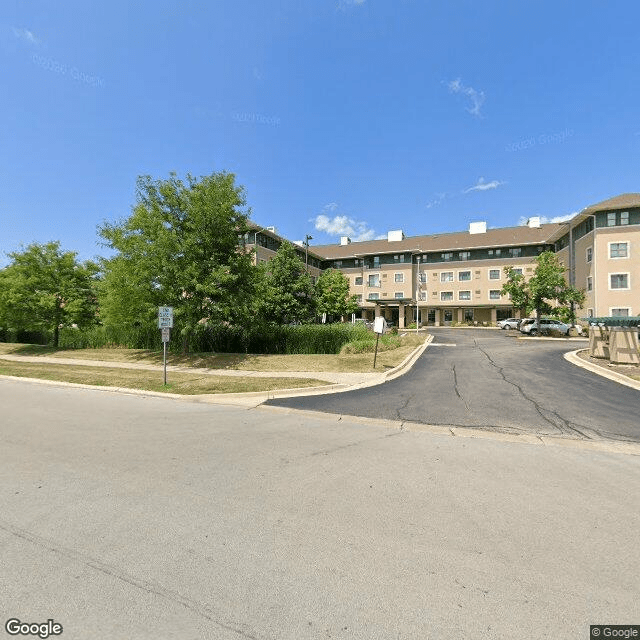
(182, 383)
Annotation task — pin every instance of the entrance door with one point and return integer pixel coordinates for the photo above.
(448, 316)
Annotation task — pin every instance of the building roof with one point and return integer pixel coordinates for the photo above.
(459, 241)
(624, 201)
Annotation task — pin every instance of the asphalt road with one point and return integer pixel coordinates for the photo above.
(491, 380)
(144, 518)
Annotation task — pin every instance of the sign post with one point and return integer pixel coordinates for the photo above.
(378, 328)
(165, 324)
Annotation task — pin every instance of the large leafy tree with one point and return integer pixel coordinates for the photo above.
(45, 288)
(547, 289)
(332, 294)
(180, 247)
(287, 292)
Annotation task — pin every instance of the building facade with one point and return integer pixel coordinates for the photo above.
(451, 278)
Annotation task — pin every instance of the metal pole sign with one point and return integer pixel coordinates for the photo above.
(378, 328)
(165, 323)
(165, 317)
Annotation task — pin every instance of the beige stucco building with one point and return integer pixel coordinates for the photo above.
(457, 277)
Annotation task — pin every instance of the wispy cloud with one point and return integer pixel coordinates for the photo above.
(342, 225)
(436, 201)
(481, 185)
(549, 220)
(476, 97)
(25, 35)
(347, 4)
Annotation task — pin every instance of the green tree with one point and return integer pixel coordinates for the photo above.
(546, 290)
(332, 294)
(45, 288)
(180, 247)
(287, 292)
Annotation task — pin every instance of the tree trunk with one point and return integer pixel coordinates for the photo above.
(56, 336)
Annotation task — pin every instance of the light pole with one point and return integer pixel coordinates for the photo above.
(306, 251)
(418, 296)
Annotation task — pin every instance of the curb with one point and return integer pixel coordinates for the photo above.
(607, 446)
(573, 358)
(250, 398)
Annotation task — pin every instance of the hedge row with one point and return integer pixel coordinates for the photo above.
(306, 339)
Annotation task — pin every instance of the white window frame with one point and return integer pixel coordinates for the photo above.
(499, 294)
(464, 291)
(627, 308)
(489, 274)
(446, 273)
(589, 283)
(398, 294)
(464, 271)
(619, 273)
(374, 275)
(446, 293)
(395, 277)
(590, 313)
(374, 296)
(589, 254)
(625, 242)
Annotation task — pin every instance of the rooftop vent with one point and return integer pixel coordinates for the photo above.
(534, 222)
(272, 229)
(395, 236)
(478, 227)
(345, 240)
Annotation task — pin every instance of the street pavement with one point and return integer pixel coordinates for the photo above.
(492, 381)
(140, 517)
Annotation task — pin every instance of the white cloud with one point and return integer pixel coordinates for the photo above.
(345, 4)
(481, 185)
(549, 220)
(341, 225)
(26, 35)
(476, 97)
(436, 201)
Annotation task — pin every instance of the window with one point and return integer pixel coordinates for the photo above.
(376, 261)
(494, 294)
(618, 250)
(446, 296)
(495, 252)
(468, 315)
(464, 295)
(398, 294)
(515, 252)
(589, 283)
(446, 276)
(611, 219)
(620, 311)
(374, 280)
(464, 275)
(357, 262)
(423, 295)
(337, 264)
(624, 217)
(446, 257)
(359, 298)
(590, 313)
(422, 276)
(399, 277)
(618, 281)
(398, 258)
(358, 279)
(589, 254)
(494, 274)
(517, 270)
(374, 296)
(465, 255)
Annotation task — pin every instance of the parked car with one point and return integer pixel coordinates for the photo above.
(547, 325)
(525, 325)
(509, 323)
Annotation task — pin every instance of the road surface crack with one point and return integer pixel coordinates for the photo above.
(561, 424)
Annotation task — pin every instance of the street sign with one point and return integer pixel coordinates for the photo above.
(166, 334)
(165, 317)
(378, 325)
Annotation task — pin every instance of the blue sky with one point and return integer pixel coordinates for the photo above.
(338, 116)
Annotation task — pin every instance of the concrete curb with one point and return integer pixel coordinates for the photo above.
(248, 399)
(573, 358)
(608, 446)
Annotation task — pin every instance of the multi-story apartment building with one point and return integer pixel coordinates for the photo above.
(458, 277)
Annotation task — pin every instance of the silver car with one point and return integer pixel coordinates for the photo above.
(547, 325)
(509, 323)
